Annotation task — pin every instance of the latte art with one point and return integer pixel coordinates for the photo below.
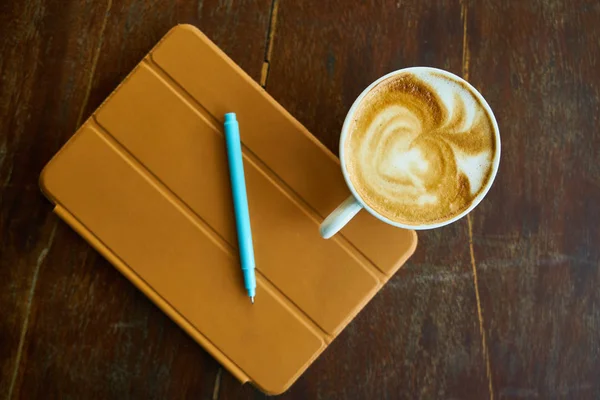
(420, 148)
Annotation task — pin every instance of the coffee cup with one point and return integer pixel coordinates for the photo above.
(419, 149)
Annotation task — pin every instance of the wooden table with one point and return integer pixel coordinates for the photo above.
(503, 304)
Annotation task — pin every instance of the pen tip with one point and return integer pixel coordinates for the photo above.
(252, 299)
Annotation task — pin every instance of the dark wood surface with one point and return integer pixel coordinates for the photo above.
(503, 304)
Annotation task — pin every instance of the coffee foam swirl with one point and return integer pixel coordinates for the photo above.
(420, 148)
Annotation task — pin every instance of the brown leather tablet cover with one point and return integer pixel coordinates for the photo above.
(145, 181)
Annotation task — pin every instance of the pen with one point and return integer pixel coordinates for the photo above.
(240, 202)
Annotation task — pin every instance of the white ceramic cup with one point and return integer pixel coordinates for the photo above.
(353, 204)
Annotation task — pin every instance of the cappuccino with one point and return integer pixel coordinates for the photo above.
(420, 148)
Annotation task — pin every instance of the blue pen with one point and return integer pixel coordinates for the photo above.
(240, 202)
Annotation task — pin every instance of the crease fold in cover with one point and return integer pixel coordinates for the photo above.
(144, 181)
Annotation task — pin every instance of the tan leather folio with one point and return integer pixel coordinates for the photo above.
(145, 181)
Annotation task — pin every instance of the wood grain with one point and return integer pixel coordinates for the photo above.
(135, 26)
(72, 327)
(536, 238)
(420, 336)
(75, 327)
(43, 66)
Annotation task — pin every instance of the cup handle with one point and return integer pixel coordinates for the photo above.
(340, 217)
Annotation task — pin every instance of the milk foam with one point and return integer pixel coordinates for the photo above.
(420, 148)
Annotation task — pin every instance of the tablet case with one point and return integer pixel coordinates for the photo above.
(145, 182)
